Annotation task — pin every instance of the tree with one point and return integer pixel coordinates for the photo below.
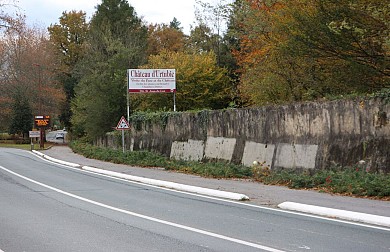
(344, 37)
(116, 41)
(212, 20)
(8, 20)
(27, 70)
(175, 24)
(211, 35)
(250, 32)
(22, 118)
(202, 39)
(68, 38)
(162, 37)
(307, 49)
(200, 83)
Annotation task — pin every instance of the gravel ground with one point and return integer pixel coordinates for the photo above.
(259, 194)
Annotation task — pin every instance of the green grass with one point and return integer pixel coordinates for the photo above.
(351, 181)
(23, 146)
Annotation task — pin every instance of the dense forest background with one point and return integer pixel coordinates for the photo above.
(241, 54)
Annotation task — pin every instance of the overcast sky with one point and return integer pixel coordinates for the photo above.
(46, 12)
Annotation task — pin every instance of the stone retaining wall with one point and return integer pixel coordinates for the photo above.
(309, 135)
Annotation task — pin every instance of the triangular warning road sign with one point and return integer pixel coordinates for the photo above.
(123, 124)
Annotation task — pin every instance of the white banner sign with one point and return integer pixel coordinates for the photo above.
(34, 134)
(151, 80)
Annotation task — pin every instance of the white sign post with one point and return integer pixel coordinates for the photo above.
(123, 125)
(152, 81)
(33, 134)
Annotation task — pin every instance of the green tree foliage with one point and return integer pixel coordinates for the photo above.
(202, 39)
(343, 37)
(22, 118)
(68, 38)
(117, 41)
(211, 34)
(207, 35)
(175, 24)
(306, 49)
(200, 83)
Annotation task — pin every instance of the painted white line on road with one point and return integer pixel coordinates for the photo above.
(172, 224)
(154, 182)
(119, 178)
(220, 199)
(337, 213)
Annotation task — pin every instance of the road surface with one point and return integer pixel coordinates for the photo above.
(49, 207)
(55, 136)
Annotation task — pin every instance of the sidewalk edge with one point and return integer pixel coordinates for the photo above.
(154, 182)
(337, 213)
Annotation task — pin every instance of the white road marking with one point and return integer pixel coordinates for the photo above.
(199, 231)
(223, 200)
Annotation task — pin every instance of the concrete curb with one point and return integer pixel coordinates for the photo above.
(56, 160)
(154, 182)
(336, 213)
(171, 185)
(38, 153)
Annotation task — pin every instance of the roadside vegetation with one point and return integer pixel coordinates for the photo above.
(238, 54)
(350, 181)
(17, 146)
(23, 146)
(150, 159)
(18, 141)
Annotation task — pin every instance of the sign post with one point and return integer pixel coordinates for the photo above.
(41, 122)
(33, 134)
(123, 125)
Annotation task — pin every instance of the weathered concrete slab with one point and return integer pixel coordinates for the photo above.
(296, 156)
(131, 148)
(258, 152)
(220, 148)
(192, 150)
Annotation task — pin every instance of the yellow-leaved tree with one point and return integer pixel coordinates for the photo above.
(200, 83)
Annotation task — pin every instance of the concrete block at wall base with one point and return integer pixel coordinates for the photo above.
(132, 144)
(296, 156)
(220, 148)
(192, 150)
(258, 152)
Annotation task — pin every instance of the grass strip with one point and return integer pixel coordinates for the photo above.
(350, 181)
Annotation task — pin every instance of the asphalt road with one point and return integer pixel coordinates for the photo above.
(51, 136)
(49, 207)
